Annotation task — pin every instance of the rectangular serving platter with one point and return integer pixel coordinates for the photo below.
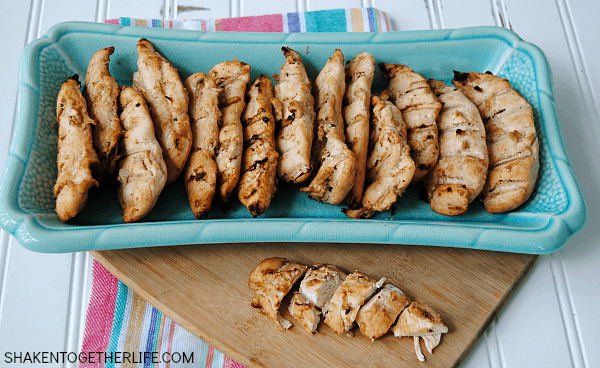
(554, 212)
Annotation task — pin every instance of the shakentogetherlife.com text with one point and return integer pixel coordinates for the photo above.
(119, 357)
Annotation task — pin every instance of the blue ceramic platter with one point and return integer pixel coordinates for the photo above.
(543, 224)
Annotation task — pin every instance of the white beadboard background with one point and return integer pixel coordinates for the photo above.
(552, 320)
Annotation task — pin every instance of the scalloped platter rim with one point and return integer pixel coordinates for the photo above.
(555, 211)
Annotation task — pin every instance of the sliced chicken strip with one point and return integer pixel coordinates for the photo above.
(304, 312)
(233, 77)
(356, 109)
(512, 141)
(200, 173)
(420, 320)
(271, 281)
(295, 116)
(459, 175)
(337, 163)
(381, 311)
(316, 289)
(101, 92)
(142, 171)
(75, 151)
(161, 86)
(412, 95)
(390, 167)
(343, 307)
(258, 182)
(320, 282)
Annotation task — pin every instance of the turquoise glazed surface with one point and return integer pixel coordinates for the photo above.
(543, 224)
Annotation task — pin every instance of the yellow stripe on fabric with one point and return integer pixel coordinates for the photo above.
(134, 330)
(357, 20)
(141, 22)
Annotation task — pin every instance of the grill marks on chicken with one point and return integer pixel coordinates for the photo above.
(345, 303)
(337, 163)
(460, 172)
(233, 77)
(258, 182)
(271, 281)
(76, 153)
(295, 116)
(412, 95)
(511, 139)
(316, 289)
(200, 173)
(101, 92)
(344, 300)
(168, 100)
(142, 171)
(379, 314)
(390, 167)
(356, 110)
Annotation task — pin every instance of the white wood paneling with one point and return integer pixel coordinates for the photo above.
(405, 15)
(259, 7)
(54, 12)
(467, 13)
(531, 317)
(36, 297)
(14, 17)
(149, 9)
(581, 129)
(203, 9)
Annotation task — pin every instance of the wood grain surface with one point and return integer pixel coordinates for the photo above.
(204, 288)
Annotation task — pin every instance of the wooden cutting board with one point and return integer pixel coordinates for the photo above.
(204, 288)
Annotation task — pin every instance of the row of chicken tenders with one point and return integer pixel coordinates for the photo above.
(343, 300)
(227, 136)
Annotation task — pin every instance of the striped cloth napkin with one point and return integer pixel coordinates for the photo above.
(337, 20)
(121, 329)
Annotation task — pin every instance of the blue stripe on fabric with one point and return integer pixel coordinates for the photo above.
(120, 304)
(125, 21)
(326, 21)
(371, 20)
(150, 339)
(293, 22)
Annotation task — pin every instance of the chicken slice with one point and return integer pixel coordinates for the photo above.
(390, 167)
(512, 141)
(295, 116)
(341, 311)
(304, 312)
(412, 95)
(356, 109)
(101, 92)
(75, 151)
(271, 281)
(337, 163)
(381, 311)
(167, 100)
(142, 171)
(200, 175)
(460, 172)
(420, 320)
(258, 182)
(233, 77)
(320, 282)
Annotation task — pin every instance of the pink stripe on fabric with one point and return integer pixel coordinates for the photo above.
(170, 349)
(100, 314)
(112, 21)
(259, 23)
(210, 356)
